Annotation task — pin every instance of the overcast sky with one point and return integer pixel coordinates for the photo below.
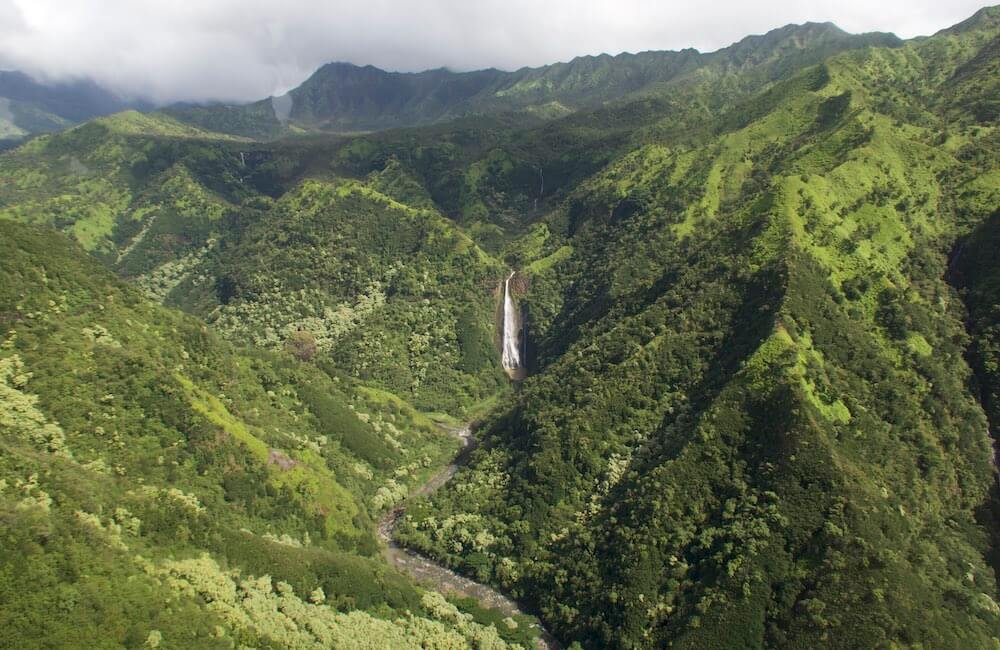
(170, 50)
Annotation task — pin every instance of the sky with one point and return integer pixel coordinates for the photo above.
(242, 50)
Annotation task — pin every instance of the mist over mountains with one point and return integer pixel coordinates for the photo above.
(343, 97)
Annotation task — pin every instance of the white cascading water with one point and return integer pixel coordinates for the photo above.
(510, 357)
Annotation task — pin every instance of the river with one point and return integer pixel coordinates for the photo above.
(441, 578)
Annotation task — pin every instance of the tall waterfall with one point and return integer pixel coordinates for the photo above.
(510, 357)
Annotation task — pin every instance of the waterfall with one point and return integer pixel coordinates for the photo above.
(510, 357)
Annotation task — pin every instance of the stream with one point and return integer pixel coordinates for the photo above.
(426, 571)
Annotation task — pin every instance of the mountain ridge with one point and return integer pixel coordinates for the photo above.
(342, 96)
(30, 106)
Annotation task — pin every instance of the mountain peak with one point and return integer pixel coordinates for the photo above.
(984, 19)
(812, 34)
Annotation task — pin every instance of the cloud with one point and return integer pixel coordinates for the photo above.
(248, 49)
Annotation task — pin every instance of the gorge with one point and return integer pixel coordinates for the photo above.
(263, 384)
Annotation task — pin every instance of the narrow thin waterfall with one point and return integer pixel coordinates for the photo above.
(510, 357)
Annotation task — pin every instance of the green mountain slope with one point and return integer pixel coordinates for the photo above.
(974, 268)
(342, 97)
(158, 486)
(29, 107)
(91, 179)
(760, 304)
(751, 422)
(390, 293)
(388, 288)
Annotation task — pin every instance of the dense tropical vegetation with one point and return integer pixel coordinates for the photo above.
(761, 295)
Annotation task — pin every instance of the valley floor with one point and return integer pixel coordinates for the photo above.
(426, 571)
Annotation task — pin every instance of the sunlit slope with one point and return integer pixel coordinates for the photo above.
(752, 421)
(157, 485)
(269, 245)
(96, 181)
(392, 294)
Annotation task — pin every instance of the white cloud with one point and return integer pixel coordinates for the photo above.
(247, 49)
